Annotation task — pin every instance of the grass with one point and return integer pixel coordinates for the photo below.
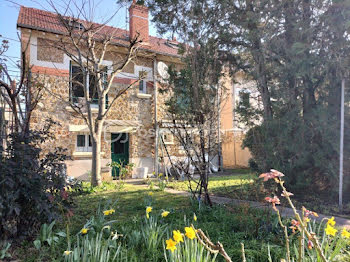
(217, 182)
(237, 183)
(230, 225)
(245, 185)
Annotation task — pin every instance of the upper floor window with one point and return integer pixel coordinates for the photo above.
(76, 25)
(142, 83)
(77, 84)
(244, 99)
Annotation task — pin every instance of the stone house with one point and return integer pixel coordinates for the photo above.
(135, 123)
(130, 130)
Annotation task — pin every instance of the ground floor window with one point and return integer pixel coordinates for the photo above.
(83, 143)
(168, 138)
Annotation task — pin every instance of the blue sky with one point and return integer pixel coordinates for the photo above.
(9, 12)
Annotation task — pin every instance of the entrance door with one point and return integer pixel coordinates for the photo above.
(120, 150)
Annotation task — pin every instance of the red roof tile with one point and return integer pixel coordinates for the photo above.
(37, 19)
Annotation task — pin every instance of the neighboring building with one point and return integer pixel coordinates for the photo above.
(240, 92)
(132, 117)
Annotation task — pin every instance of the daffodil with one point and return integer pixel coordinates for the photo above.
(307, 220)
(194, 217)
(67, 252)
(331, 222)
(165, 213)
(345, 233)
(177, 235)
(108, 212)
(150, 193)
(148, 210)
(190, 233)
(330, 230)
(84, 231)
(171, 245)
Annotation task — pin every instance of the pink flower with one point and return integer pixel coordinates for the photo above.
(271, 175)
(64, 194)
(295, 223)
(274, 200)
(69, 213)
(287, 194)
(51, 198)
(310, 245)
(308, 213)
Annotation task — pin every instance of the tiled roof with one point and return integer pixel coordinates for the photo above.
(37, 19)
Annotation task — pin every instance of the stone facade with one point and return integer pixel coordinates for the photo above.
(130, 106)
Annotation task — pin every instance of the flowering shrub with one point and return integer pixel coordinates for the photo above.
(315, 243)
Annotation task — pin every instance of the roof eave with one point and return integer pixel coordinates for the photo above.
(19, 25)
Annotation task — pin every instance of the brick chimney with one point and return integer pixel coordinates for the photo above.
(138, 15)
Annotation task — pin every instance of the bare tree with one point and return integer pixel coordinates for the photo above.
(196, 97)
(88, 44)
(21, 96)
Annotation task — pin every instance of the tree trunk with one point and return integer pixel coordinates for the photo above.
(96, 157)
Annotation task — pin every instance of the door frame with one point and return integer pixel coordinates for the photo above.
(125, 157)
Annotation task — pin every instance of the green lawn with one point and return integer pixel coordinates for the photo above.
(230, 225)
(231, 185)
(245, 185)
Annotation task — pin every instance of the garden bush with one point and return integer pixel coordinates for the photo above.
(32, 184)
(307, 152)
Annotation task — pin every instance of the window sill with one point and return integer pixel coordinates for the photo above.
(84, 154)
(144, 96)
(93, 109)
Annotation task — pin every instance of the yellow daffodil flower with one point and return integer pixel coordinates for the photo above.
(194, 217)
(84, 231)
(150, 193)
(171, 245)
(190, 233)
(67, 252)
(108, 212)
(345, 233)
(165, 213)
(148, 210)
(330, 230)
(331, 222)
(147, 215)
(177, 235)
(307, 220)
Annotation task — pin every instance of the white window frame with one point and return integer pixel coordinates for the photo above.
(144, 87)
(169, 141)
(72, 63)
(85, 148)
(143, 82)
